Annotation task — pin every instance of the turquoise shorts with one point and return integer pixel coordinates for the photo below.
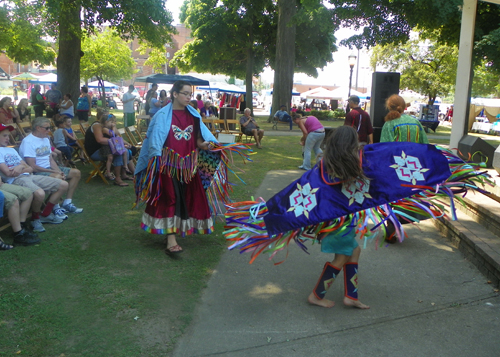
(343, 242)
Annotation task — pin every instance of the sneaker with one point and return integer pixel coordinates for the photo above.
(26, 238)
(60, 213)
(71, 208)
(51, 218)
(302, 168)
(37, 226)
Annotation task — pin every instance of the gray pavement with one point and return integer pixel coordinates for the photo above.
(425, 299)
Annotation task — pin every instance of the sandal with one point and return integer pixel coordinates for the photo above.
(127, 178)
(5, 246)
(175, 249)
(121, 184)
(110, 176)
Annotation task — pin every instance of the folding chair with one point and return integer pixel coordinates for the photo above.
(79, 133)
(237, 131)
(84, 126)
(134, 136)
(99, 168)
(22, 126)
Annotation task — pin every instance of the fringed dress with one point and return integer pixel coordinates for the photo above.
(181, 207)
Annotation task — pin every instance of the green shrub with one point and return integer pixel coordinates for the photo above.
(323, 114)
(339, 113)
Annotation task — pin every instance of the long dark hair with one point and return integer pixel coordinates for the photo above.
(341, 158)
(177, 87)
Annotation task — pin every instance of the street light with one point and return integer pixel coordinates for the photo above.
(352, 61)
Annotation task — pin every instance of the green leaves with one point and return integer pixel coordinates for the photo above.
(106, 56)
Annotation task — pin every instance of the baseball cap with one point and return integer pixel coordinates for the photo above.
(353, 98)
(3, 127)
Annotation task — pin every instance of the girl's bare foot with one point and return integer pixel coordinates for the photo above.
(355, 303)
(312, 299)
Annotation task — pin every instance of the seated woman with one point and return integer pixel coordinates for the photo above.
(7, 111)
(24, 112)
(95, 141)
(207, 110)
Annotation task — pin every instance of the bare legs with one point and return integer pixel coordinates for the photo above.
(258, 134)
(330, 272)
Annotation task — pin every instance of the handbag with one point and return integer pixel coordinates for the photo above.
(116, 145)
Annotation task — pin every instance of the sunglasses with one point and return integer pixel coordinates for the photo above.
(45, 127)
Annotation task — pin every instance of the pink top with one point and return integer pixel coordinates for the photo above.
(312, 124)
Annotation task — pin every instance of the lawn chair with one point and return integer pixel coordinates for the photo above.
(236, 131)
(99, 167)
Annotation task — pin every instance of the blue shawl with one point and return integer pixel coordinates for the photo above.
(158, 131)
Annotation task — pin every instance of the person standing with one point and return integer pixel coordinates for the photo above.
(54, 98)
(176, 202)
(37, 101)
(313, 135)
(360, 121)
(83, 108)
(399, 126)
(14, 94)
(149, 95)
(128, 107)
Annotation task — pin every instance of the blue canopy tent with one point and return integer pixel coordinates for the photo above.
(294, 93)
(227, 88)
(171, 79)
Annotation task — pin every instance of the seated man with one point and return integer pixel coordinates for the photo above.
(249, 127)
(282, 115)
(17, 212)
(36, 151)
(16, 172)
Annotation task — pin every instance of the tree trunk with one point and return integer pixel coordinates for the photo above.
(68, 58)
(285, 56)
(249, 74)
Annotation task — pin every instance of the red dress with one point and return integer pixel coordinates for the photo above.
(182, 206)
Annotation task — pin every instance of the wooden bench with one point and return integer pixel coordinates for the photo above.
(276, 122)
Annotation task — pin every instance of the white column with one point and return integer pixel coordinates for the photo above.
(463, 81)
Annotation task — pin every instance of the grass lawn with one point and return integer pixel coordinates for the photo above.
(98, 285)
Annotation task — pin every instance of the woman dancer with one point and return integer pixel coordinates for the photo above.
(167, 169)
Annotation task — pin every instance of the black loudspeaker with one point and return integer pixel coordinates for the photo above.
(474, 149)
(227, 113)
(384, 84)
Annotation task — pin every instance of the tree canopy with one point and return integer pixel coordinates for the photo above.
(391, 21)
(238, 38)
(107, 57)
(22, 40)
(426, 67)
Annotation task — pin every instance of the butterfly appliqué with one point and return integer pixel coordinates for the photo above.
(182, 134)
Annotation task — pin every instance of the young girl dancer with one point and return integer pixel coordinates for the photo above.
(341, 161)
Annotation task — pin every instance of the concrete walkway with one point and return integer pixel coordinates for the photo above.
(425, 299)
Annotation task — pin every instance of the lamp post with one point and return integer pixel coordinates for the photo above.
(352, 62)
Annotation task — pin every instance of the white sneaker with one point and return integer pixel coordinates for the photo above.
(60, 213)
(71, 208)
(51, 218)
(37, 226)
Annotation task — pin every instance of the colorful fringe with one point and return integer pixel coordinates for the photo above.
(246, 229)
(212, 166)
(176, 231)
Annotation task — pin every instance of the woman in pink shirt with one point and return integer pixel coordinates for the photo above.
(314, 133)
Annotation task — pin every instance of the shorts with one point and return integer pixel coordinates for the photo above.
(13, 193)
(249, 132)
(64, 169)
(35, 182)
(83, 115)
(343, 242)
(128, 119)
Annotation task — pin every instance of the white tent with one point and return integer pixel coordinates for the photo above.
(322, 93)
(95, 84)
(46, 79)
(311, 91)
(343, 93)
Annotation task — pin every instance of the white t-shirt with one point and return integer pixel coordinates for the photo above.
(129, 106)
(11, 158)
(37, 148)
